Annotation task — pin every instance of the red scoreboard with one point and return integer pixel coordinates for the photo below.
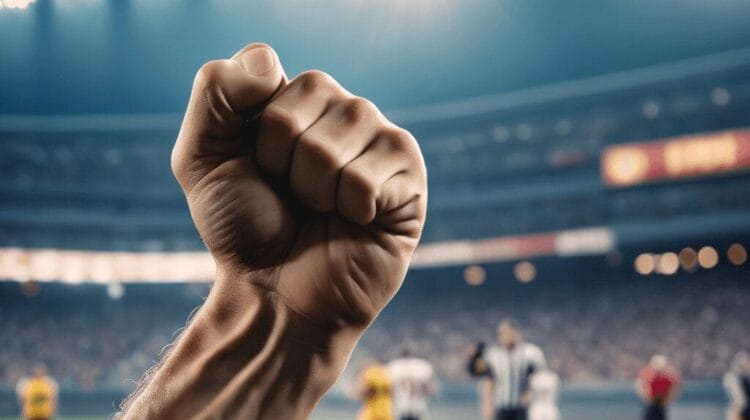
(675, 158)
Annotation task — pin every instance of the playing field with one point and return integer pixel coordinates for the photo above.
(573, 411)
(703, 401)
(467, 410)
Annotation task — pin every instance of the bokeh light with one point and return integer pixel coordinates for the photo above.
(115, 290)
(736, 254)
(525, 272)
(708, 257)
(688, 259)
(30, 288)
(650, 110)
(668, 263)
(720, 96)
(645, 264)
(474, 275)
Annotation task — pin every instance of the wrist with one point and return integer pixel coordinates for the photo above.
(246, 351)
(236, 291)
(287, 345)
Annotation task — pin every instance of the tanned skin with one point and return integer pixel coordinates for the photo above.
(311, 203)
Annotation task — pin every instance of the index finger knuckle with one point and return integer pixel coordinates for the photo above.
(315, 81)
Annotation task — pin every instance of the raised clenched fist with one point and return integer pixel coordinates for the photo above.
(311, 203)
(302, 182)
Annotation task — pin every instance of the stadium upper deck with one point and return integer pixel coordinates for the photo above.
(514, 164)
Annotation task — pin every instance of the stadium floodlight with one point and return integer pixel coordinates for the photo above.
(15, 4)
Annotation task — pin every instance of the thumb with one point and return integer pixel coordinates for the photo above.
(225, 94)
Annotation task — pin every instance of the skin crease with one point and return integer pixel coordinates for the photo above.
(311, 203)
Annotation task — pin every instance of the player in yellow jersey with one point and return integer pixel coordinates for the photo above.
(37, 395)
(375, 392)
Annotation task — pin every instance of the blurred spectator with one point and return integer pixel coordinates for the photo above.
(658, 384)
(589, 332)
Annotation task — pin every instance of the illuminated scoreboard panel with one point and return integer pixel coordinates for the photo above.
(676, 158)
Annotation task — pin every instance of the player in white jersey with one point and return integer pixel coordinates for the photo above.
(544, 386)
(507, 369)
(412, 383)
(737, 385)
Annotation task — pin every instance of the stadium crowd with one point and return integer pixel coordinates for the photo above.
(590, 330)
(601, 335)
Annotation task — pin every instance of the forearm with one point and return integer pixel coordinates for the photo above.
(246, 354)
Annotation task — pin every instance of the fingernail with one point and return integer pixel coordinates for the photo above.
(258, 61)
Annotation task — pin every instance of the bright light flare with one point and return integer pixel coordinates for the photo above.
(15, 4)
(45, 265)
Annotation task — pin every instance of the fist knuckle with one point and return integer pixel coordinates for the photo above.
(319, 151)
(278, 117)
(365, 188)
(403, 144)
(314, 81)
(358, 109)
(398, 139)
(403, 136)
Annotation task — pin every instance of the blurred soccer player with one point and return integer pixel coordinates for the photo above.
(412, 382)
(37, 395)
(658, 384)
(374, 390)
(737, 385)
(506, 370)
(544, 386)
(311, 203)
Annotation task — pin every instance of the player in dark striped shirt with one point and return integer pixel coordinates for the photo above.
(506, 369)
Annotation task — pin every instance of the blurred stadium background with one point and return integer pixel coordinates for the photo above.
(588, 176)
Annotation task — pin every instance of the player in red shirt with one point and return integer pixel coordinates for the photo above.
(658, 384)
